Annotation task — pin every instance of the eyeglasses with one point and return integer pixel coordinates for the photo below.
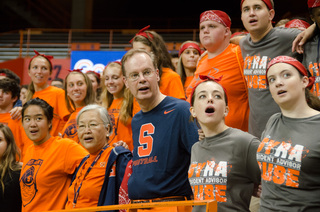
(91, 126)
(135, 75)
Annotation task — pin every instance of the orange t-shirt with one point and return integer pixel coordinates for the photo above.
(70, 128)
(229, 65)
(171, 85)
(91, 184)
(46, 173)
(187, 82)
(56, 98)
(20, 137)
(121, 131)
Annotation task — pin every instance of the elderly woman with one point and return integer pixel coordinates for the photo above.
(98, 178)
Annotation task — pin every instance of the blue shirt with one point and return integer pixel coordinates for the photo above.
(162, 140)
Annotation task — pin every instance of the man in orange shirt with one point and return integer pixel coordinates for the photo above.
(223, 60)
(9, 94)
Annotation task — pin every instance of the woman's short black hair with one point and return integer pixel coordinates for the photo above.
(47, 109)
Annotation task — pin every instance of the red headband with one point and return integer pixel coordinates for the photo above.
(76, 70)
(189, 45)
(204, 78)
(97, 74)
(295, 63)
(117, 62)
(142, 32)
(49, 57)
(297, 23)
(217, 16)
(267, 2)
(313, 3)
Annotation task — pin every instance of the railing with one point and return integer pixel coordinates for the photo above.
(109, 42)
(211, 206)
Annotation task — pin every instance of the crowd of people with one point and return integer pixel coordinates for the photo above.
(234, 120)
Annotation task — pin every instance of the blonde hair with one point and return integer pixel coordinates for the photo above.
(8, 159)
(126, 108)
(106, 96)
(90, 97)
(180, 68)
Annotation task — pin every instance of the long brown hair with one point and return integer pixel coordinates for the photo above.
(90, 97)
(312, 100)
(158, 48)
(8, 161)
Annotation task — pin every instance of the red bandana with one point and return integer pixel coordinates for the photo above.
(189, 45)
(297, 23)
(295, 63)
(204, 78)
(76, 70)
(313, 3)
(217, 16)
(267, 2)
(49, 57)
(142, 32)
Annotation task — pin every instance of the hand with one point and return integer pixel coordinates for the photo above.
(201, 134)
(257, 190)
(121, 143)
(16, 113)
(302, 38)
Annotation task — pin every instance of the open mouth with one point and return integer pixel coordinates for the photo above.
(281, 92)
(33, 131)
(210, 110)
(253, 21)
(143, 88)
(88, 139)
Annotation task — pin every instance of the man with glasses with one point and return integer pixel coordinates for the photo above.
(162, 136)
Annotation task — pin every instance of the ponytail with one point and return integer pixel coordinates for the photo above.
(312, 100)
(126, 109)
(30, 91)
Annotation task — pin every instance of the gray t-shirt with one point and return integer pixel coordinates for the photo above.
(256, 57)
(289, 159)
(224, 168)
(311, 60)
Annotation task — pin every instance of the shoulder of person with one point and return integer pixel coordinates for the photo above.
(242, 136)
(168, 72)
(283, 31)
(65, 142)
(118, 150)
(244, 39)
(56, 89)
(272, 119)
(178, 103)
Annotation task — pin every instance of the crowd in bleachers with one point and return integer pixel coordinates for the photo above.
(233, 119)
